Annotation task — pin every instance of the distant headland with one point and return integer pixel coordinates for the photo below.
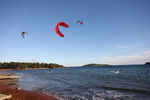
(27, 66)
(95, 65)
(147, 63)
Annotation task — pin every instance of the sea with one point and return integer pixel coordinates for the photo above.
(89, 83)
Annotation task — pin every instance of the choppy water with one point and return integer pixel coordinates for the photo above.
(90, 83)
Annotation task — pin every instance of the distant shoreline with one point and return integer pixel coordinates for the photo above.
(147, 63)
(87, 65)
(26, 65)
(10, 69)
(90, 65)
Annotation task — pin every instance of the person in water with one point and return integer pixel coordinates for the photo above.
(120, 70)
(116, 71)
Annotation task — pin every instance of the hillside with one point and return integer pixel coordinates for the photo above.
(147, 63)
(95, 65)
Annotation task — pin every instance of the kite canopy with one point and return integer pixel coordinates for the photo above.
(57, 28)
(23, 34)
(79, 21)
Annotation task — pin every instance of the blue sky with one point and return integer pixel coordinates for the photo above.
(113, 32)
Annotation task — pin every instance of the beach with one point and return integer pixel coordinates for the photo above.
(10, 86)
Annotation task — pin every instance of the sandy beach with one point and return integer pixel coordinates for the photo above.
(9, 86)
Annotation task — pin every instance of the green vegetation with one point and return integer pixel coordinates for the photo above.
(96, 65)
(24, 65)
(147, 63)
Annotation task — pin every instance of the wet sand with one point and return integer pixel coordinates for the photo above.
(9, 86)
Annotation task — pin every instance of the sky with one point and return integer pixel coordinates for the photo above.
(114, 32)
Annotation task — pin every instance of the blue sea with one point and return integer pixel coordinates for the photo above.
(89, 83)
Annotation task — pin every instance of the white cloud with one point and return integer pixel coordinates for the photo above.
(25, 12)
(147, 53)
(121, 47)
(129, 46)
(131, 59)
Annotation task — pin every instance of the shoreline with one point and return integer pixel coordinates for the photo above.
(12, 82)
(10, 69)
(10, 86)
(22, 69)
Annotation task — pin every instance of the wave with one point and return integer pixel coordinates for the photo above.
(124, 89)
(111, 95)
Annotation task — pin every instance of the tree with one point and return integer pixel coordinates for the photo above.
(24, 65)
